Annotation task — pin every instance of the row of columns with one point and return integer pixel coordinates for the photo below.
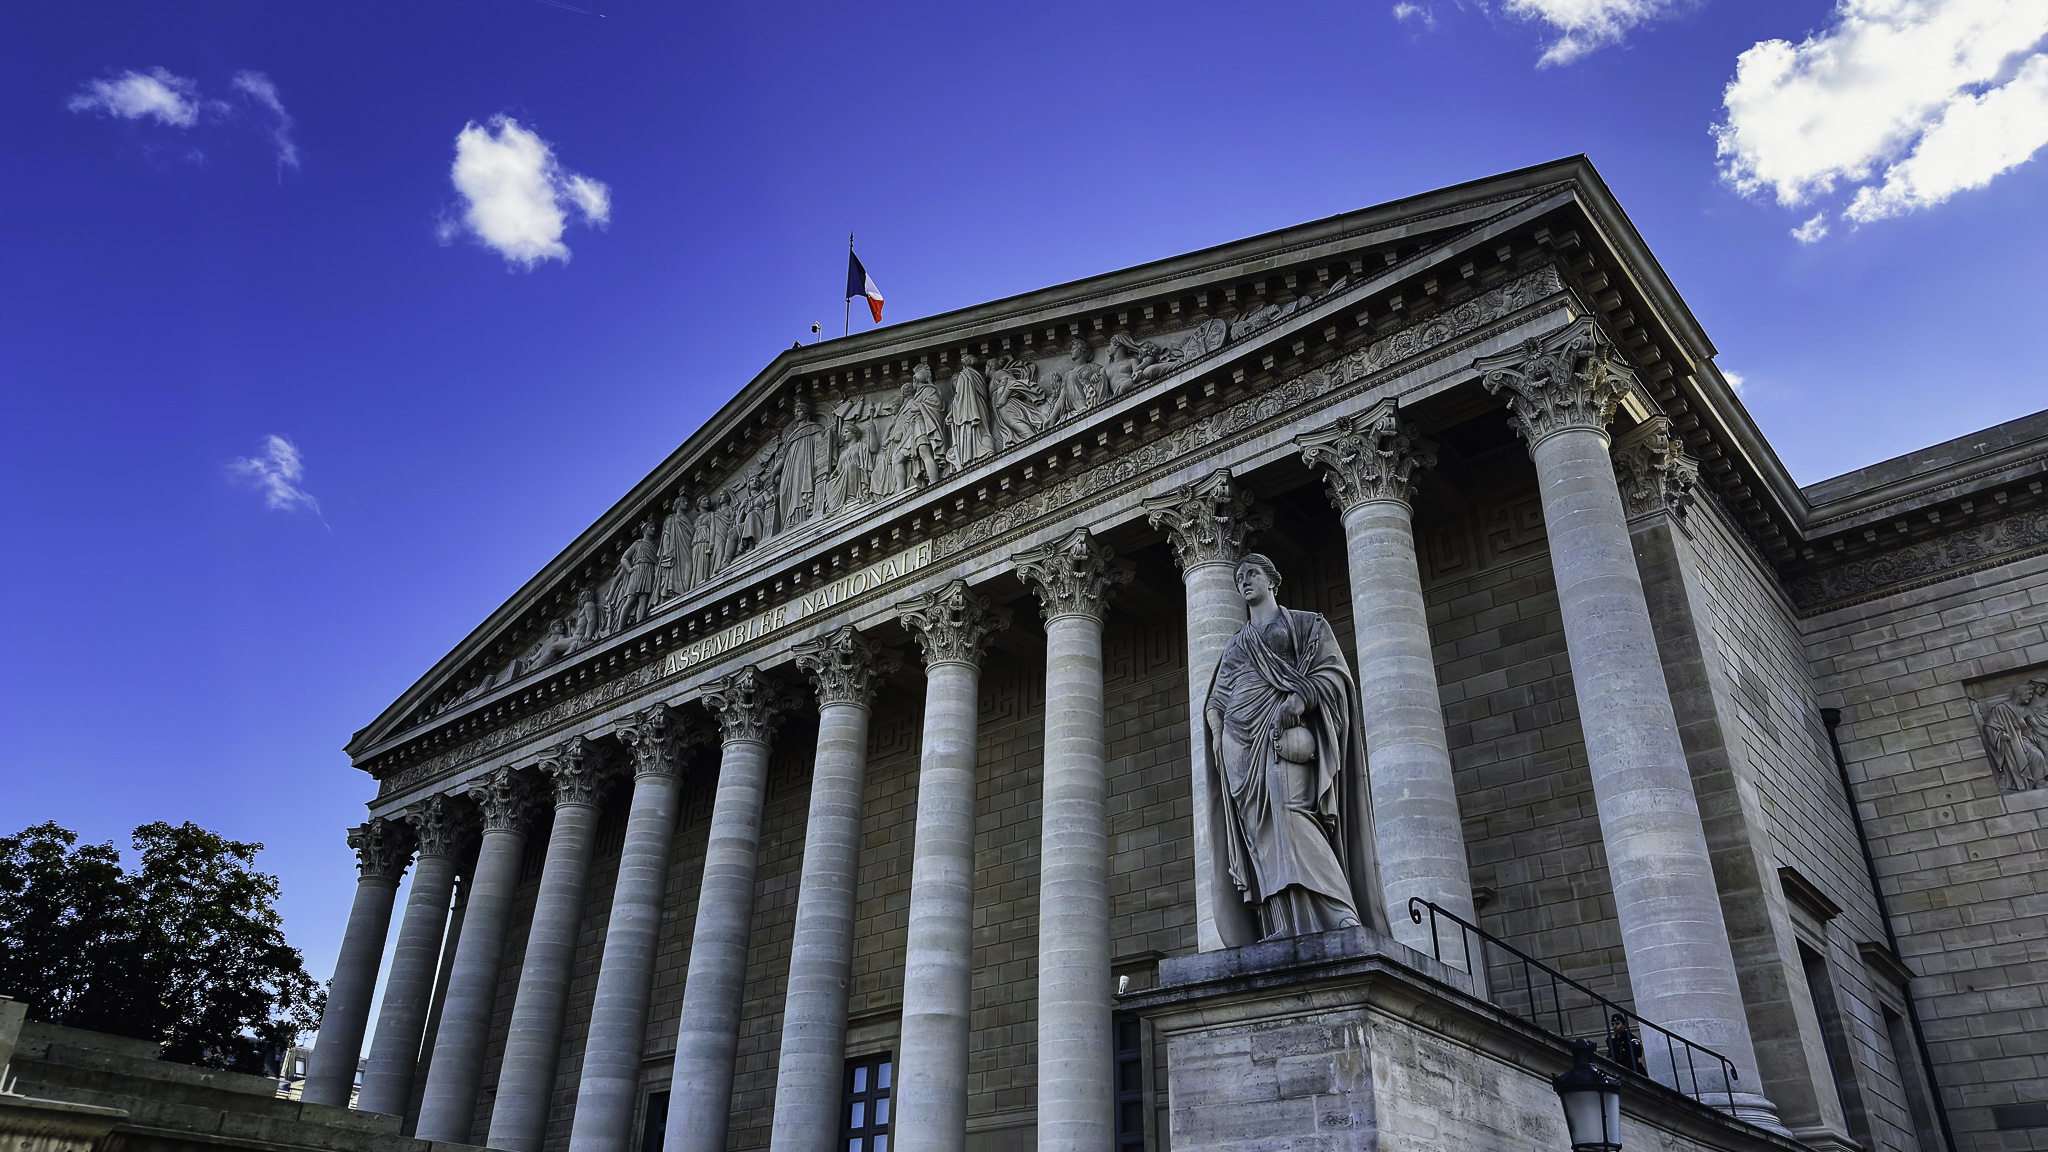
(1561, 391)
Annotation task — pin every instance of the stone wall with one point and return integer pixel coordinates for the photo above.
(1960, 860)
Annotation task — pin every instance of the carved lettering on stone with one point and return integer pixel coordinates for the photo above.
(383, 848)
(953, 624)
(843, 666)
(1367, 457)
(749, 704)
(1072, 575)
(1572, 378)
(1207, 521)
(1653, 471)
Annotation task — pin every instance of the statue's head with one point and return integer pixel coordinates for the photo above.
(1257, 573)
(802, 408)
(704, 502)
(1078, 350)
(922, 374)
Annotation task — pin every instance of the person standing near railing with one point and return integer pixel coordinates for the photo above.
(1623, 1047)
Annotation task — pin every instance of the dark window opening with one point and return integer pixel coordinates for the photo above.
(1130, 1083)
(1835, 1040)
(654, 1130)
(865, 1115)
(1911, 1079)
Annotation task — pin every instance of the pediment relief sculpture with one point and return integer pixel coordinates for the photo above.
(2012, 717)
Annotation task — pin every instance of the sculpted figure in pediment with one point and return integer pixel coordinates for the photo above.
(800, 466)
(731, 509)
(1018, 401)
(673, 576)
(853, 464)
(973, 427)
(704, 536)
(632, 586)
(1079, 386)
(917, 442)
(757, 519)
(1133, 363)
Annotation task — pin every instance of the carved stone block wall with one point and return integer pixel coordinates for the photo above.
(1961, 858)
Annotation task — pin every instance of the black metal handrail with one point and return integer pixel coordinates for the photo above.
(1721, 1097)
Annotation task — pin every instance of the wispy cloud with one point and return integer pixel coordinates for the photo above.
(257, 89)
(157, 94)
(275, 471)
(1409, 12)
(1908, 102)
(174, 101)
(517, 198)
(1810, 232)
(1584, 25)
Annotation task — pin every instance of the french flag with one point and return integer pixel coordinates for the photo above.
(859, 283)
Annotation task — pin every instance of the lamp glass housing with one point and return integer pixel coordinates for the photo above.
(1592, 1103)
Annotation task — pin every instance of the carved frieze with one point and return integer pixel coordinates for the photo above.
(581, 773)
(2012, 718)
(1653, 471)
(1367, 457)
(1570, 379)
(441, 825)
(2004, 539)
(1072, 575)
(383, 848)
(504, 798)
(953, 624)
(1207, 521)
(843, 666)
(749, 704)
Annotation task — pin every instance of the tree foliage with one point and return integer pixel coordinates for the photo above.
(187, 949)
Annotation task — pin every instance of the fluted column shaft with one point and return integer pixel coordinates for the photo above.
(808, 1080)
(1680, 968)
(1076, 1054)
(618, 1014)
(458, 913)
(382, 850)
(930, 1105)
(416, 961)
(1418, 833)
(455, 1075)
(526, 1074)
(1207, 523)
(707, 1038)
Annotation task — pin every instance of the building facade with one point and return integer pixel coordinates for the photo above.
(853, 780)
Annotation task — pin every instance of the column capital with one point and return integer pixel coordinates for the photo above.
(1653, 470)
(749, 704)
(579, 770)
(1367, 457)
(843, 666)
(953, 624)
(1072, 575)
(661, 740)
(1207, 520)
(1573, 378)
(504, 798)
(383, 848)
(440, 826)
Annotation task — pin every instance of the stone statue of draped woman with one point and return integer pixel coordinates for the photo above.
(1287, 783)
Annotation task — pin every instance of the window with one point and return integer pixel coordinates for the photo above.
(1911, 1077)
(1835, 1041)
(866, 1111)
(1130, 1083)
(654, 1130)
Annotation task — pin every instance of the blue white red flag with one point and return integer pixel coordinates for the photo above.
(859, 283)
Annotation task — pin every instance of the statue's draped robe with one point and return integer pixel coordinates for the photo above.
(2013, 746)
(674, 577)
(1296, 839)
(921, 421)
(973, 434)
(801, 467)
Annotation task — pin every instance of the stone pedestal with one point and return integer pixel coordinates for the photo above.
(1350, 1041)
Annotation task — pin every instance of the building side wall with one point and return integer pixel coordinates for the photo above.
(1960, 861)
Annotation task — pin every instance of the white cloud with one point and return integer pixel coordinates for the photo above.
(1735, 380)
(1907, 101)
(275, 470)
(518, 198)
(157, 94)
(1584, 25)
(1406, 11)
(1812, 230)
(261, 92)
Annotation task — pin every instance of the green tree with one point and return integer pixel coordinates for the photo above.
(188, 949)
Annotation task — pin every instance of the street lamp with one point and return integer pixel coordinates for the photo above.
(1592, 1103)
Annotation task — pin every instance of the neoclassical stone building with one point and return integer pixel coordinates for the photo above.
(858, 778)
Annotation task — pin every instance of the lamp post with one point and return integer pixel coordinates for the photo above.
(1592, 1103)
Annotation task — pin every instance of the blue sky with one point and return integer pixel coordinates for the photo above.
(226, 222)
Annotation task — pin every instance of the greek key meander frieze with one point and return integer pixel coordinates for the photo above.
(2004, 539)
(1430, 338)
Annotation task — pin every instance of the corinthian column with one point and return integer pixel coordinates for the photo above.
(659, 742)
(383, 849)
(1368, 461)
(1076, 1054)
(441, 829)
(749, 706)
(506, 801)
(526, 1075)
(843, 666)
(1208, 522)
(1562, 391)
(953, 625)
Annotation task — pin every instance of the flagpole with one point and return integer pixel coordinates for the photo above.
(848, 330)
